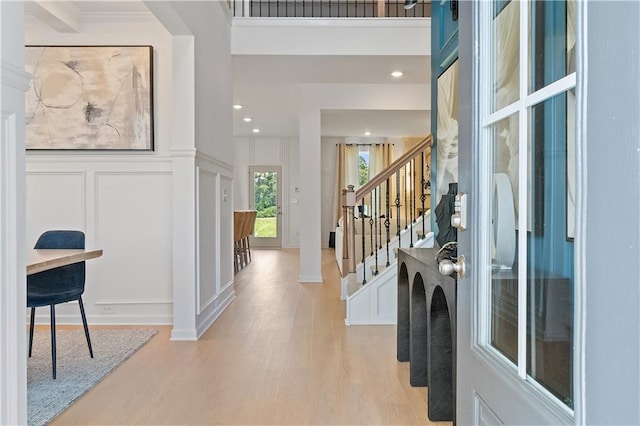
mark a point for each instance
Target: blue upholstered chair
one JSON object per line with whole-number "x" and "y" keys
{"x": 58, "y": 285}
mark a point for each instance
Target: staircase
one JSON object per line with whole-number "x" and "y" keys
{"x": 397, "y": 195}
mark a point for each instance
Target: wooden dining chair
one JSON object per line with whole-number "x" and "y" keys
{"x": 58, "y": 285}
{"x": 249, "y": 230}
{"x": 238, "y": 229}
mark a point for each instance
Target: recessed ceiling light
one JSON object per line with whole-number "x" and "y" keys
{"x": 237, "y": 106}
{"x": 256, "y": 130}
{"x": 367, "y": 133}
{"x": 247, "y": 119}
{"x": 397, "y": 74}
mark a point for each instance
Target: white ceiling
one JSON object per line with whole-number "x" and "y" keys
{"x": 267, "y": 86}
{"x": 110, "y": 6}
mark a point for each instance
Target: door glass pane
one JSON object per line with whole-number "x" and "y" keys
{"x": 504, "y": 217}
{"x": 265, "y": 185}
{"x": 550, "y": 262}
{"x": 552, "y": 42}
{"x": 505, "y": 53}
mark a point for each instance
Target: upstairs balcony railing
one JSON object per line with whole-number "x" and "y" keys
{"x": 328, "y": 9}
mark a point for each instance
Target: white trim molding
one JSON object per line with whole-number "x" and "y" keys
{"x": 17, "y": 78}
{"x": 310, "y": 279}
{"x": 183, "y": 152}
{"x": 208, "y": 158}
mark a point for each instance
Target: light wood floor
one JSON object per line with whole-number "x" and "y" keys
{"x": 280, "y": 354}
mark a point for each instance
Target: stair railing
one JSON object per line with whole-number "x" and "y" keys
{"x": 375, "y": 203}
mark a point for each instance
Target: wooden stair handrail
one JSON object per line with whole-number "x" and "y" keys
{"x": 394, "y": 167}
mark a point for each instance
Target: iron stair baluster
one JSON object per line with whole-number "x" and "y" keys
{"x": 423, "y": 196}
{"x": 379, "y": 198}
{"x": 387, "y": 222}
{"x": 412, "y": 200}
{"x": 371, "y": 222}
{"x": 364, "y": 256}
{"x": 414, "y": 215}
{"x": 404, "y": 174}
{"x": 377, "y": 219}
{"x": 398, "y": 208}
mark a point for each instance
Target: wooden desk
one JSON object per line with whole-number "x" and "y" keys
{"x": 45, "y": 259}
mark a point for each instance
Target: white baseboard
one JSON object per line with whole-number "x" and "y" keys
{"x": 303, "y": 279}
{"x": 213, "y": 316}
{"x": 106, "y": 319}
{"x": 183, "y": 335}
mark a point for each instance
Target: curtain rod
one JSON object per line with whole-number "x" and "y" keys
{"x": 365, "y": 144}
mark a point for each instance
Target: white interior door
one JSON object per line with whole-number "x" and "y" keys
{"x": 516, "y": 352}
{"x": 265, "y": 196}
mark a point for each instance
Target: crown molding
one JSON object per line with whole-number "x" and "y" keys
{"x": 117, "y": 17}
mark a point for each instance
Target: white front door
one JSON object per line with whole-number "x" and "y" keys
{"x": 516, "y": 353}
{"x": 265, "y": 195}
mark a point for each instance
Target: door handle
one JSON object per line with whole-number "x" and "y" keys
{"x": 447, "y": 267}
{"x": 459, "y": 217}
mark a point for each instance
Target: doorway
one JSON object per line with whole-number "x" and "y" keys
{"x": 265, "y": 196}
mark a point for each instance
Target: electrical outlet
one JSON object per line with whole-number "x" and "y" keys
{"x": 107, "y": 310}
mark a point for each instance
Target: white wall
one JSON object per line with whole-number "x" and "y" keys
{"x": 270, "y": 152}
{"x": 202, "y": 163}
{"x": 328, "y": 180}
{"x": 313, "y": 99}
{"x": 13, "y": 85}
{"x": 284, "y": 152}
{"x": 335, "y": 36}
{"x": 122, "y": 201}
{"x": 210, "y": 24}
{"x": 328, "y": 185}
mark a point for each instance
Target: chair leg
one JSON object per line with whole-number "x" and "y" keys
{"x": 53, "y": 339}
{"x": 245, "y": 257}
{"x": 32, "y": 324}
{"x": 236, "y": 264}
{"x": 86, "y": 328}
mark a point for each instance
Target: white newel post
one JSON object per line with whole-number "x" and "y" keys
{"x": 14, "y": 82}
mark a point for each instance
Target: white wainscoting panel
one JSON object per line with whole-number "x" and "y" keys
{"x": 484, "y": 415}
{"x": 328, "y": 189}
{"x": 292, "y": 209}
{"x": 215, "y": 289}
{"x": 226, "y": 232}
{"x": 133, "y": 225}
{"x": 55, "y": 200}
{"x": 206, "y": 235}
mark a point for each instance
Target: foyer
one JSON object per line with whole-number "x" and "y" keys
{"x": 280, "y": 354}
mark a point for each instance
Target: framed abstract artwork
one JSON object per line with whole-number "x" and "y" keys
{"x": 89, "y": 98}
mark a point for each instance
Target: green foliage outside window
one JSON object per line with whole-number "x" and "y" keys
{"x": 363, "y": 170}
{"x": 265, "y": 193}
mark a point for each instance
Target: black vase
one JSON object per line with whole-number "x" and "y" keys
{"x": 444, "y": 210}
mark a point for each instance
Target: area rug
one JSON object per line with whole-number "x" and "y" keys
{"x": 76, "y": 371}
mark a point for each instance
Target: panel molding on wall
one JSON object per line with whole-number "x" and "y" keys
{"x": 132, "y": 223}
{"x": 52, "y": 202}
{"x": 225, "y": 231}
{"x": 213, "y": 179}
{"x": 218, "y": 164}
{"x": 206, "y": 180}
